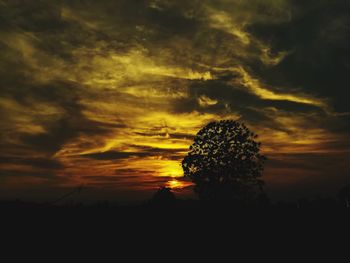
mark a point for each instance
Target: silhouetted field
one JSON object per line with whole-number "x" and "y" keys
{"x": 176, "y": 205}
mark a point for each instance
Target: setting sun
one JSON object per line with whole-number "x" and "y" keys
{"x": 176, "y": 184}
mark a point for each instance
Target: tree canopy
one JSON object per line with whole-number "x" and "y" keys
{"x": 224, "y": 161}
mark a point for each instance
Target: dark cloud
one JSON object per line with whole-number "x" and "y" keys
{"x": 68, "y": 123}
{"x": 135, "y": 172}
{"x": 62, "y": 131}
{"x": 309, "y": 161}
{"x": 114, "y": 155}
{"x": 31, "y": 16}
{"x": 233, "y": 98}
{"x": 43, "y": 163}
{"x": 179, "y": 135}
{"x": 111, "y": 178}
{"x": 318, "y": 41}
{"x": 17, "y": 173}
{"x": 141, "y": 151}
{"x": 157, "y": 150}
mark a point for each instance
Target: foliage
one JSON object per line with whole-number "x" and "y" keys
{"x": 163, "y": 195}
{"x": 224, "y": 161}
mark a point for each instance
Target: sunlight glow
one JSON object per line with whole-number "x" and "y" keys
{"x": 176, "y": 184}
{"x": 171, "y": 168}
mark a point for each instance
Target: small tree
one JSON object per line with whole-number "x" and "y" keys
{"x": 164, "y": 195}
{"x": 224, "y": 162}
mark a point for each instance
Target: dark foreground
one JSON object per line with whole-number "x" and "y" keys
{"x": 176, "y": 205}
{"x": 171, "y": 221}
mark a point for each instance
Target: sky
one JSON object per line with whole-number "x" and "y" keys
{"x": 109, "y": 94}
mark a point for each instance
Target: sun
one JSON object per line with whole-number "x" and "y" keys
{"x": 174, "y": 184}
{"x": 177, "y": 184}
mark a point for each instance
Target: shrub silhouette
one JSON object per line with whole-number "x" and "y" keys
{"x": 224, "y": 162}
{"x": 164, "y": 195}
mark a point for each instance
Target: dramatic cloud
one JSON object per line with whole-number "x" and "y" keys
{"x": 111, "y": 92}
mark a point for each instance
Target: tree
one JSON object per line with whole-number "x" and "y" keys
{"x": 164, "y": 195}
{"x": 224, "y": 162}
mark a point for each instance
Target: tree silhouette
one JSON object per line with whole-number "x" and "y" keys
{"x": 224, "y": 162}
{"x": 164, "y": 195}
